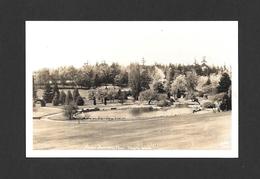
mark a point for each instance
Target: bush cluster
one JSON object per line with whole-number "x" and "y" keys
{"x": 208, "y": 104}
{"x": 164, "y": 103}
{"x": 80, "y": 101}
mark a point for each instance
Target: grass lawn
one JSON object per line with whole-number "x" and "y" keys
{"x": 188, "y": 131}
{"x": 39, "y": 112}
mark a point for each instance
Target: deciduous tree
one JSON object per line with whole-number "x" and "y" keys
{"x": 135, "y": 80}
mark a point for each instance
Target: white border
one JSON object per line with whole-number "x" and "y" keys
{"x": 233, "y": 153}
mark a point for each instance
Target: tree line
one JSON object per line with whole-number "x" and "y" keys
{"x": 86, "y": 76}
{"x": 101, "y": 74}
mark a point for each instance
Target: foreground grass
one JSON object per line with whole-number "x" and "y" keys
{"x": 196, "y": 131}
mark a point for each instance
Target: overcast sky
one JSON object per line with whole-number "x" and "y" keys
{"x": 57, "y": 43}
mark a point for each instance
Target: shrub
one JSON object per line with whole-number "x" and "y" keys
{"x": 208, "y": 104}
{"x": 43, "y": 103}
{"x": 62, "y": 98}
{"x": 218, "y": 97}
{"x": 97, "y": 109}
{"x": 147, "y": 95}
{"x": 164, "y": 103}
{"x": 69, "y": 110}
{"x": 162, "y": 97}
{"x": 80, "y": 101}
{"x": 81, "y": 116}
{"x": 55, "y": 101}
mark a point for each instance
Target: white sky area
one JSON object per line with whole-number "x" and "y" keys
{"x": 57, "y": 43}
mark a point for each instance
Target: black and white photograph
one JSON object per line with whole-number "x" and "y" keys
{"x": 132, "y": 89}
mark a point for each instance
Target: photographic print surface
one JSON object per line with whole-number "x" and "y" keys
{"x": 132, "y": 89}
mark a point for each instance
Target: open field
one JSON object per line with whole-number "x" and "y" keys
{"x": 190, "y": 131}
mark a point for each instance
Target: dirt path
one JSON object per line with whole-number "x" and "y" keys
{"x": 200, "y": 131}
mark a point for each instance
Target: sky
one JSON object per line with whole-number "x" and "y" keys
{"x": 57, "y": 43}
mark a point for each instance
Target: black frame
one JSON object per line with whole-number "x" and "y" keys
{"x": 12, "y": 50}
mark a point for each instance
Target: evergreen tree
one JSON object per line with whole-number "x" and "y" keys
{"x": 224, "y": 83}
{"x": 75, "y": 94}
{"x": 69, "y": 98}
{"x": 62, "y": 97}
{"x": 56, "y": 90}
{"x": 55, "y": 101}
{"x": 48, "y": 93}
